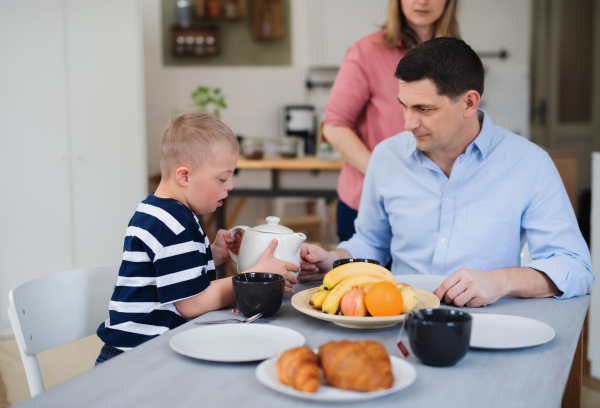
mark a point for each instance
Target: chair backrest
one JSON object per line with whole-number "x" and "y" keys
{"x": 56, "y": 309}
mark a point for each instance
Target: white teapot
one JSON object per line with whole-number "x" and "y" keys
{"x": 257, "y": 239}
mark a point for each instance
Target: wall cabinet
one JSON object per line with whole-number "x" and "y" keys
{"x": 73, "y": 135}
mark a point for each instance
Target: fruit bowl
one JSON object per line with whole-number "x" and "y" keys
{"x": 300, "y": 302}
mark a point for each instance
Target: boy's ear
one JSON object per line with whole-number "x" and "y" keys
{"x": 182, "y": 176}
{"x": 472, "y": 99}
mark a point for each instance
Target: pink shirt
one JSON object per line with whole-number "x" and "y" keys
{"x": 364, "y": 98}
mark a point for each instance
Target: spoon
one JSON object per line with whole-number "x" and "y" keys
{"x": 246, "y": 320}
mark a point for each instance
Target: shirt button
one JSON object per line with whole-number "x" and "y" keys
{"x": 443, "y": 240}
{"x": 447, "y": 200}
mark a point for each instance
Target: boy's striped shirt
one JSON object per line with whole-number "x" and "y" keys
{"x": 166, "y": 258}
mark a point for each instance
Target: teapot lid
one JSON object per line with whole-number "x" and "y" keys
{"x": 272, "y": 226}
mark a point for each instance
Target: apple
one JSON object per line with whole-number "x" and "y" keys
{"x": 408, "y": 296}
{"x": 353, "y": 303}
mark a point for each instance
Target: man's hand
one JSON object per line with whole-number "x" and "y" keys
{"x": 224, "y": 241}
{"x": 472, "y": 288}
{"x": 316, "y": 262}
{"x": 268, "y": 263}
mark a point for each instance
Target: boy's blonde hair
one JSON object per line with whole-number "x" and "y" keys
{"x": 192, "y": 139}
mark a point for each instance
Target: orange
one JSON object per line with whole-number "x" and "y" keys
{"x": 384, "y": 299}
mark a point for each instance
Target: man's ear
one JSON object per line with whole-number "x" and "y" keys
{"x": 182, "y": 176}
{"x": 472, "y": 99}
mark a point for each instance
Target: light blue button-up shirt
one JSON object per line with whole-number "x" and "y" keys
{"x": 502, "y": 188}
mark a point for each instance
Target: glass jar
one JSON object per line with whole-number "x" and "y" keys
{"x": 288, "y": 147}
{"x": 252, "y": 148}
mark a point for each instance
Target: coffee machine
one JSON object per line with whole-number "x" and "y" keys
{"x": 300, "y": 121}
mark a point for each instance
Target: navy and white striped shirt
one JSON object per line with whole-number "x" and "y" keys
{"x": 166, "y": 258}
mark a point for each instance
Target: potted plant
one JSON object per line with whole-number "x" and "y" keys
{"x": 207, "y": 99}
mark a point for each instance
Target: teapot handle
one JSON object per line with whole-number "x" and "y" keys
{"x": 233, "y": 256}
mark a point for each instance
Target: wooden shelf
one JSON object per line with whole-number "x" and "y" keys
{"x": 221, "y": 9}
{"x": 267, "y": 19}
{"x": 197, "y": 41}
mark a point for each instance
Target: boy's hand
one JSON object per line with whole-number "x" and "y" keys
{"x": 269, "y": 264}
{"x": 223, "y": 242}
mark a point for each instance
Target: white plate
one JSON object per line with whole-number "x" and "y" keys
{"x": 492, "y": 331}
{"x": 425, "y": 282}
{"x": 404, "y": 375}
{"x": 235, "y": 342}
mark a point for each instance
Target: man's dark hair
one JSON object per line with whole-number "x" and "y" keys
{"x": 448, "y": 62}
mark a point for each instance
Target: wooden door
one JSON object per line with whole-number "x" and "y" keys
{"x": 566, "y": 105}
{"x": 566, "y": 79}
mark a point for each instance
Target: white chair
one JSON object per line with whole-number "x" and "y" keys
{"x": 56, "y": 309}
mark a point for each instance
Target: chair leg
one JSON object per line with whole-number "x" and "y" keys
{"x": 30, "y": 363}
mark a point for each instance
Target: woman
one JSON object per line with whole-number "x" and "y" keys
{"x": 363, "y": 107}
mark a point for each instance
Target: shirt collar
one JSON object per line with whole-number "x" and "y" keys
{"x": 483, "y": 141}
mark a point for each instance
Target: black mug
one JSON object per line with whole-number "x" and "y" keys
{"x": 439, "y": 337}
{"x": 257, "y": 292}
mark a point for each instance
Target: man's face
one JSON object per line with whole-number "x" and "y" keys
{"x": 210, "y": 184}
{"x": 433, "y": 119}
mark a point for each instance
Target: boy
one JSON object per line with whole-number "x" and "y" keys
{"x": 167, "y": 275}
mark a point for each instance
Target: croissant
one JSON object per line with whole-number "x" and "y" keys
{"x": 299, "y": 368}
{"x": 359, "y": 366}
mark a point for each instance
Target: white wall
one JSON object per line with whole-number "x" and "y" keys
{"x": 321, "y": 32}
{"x": 489, "y": 25}
{"x": 254, "y": 94}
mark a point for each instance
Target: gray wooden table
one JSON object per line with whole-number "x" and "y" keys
{"x": 153, "y": 375}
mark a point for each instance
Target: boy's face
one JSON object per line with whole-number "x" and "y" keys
{"x": 208, "y": 185}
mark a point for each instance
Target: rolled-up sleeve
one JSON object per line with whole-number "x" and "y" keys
{"x": 555, "y": 241}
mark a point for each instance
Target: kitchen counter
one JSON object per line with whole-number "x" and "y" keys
{"x": 281, "y": 163}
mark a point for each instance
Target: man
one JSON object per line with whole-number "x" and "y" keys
{"x": 454, "y": 194}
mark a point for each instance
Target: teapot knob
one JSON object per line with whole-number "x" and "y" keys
{"x": 272, "y": 220}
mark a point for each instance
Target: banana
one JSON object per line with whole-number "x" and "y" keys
{"x": 316, "y": 300}
{"x": 321, "y": 288}
{"x": 336, "y": 275}
{"x": 331, "y": 304}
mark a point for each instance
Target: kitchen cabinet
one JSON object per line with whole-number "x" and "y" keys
{"x": 73, "y": 137}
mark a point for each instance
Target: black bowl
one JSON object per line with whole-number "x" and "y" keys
{"x": 257, "y": 292}
{"x": 439, "y": 337}
{"x": 343, "y": 261}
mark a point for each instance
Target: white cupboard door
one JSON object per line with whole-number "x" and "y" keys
{"x": 106, "y": 77}
{"x": 35, "y": 203}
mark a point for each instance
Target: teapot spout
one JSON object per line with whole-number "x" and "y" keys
{"x": 296, "y": 239}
